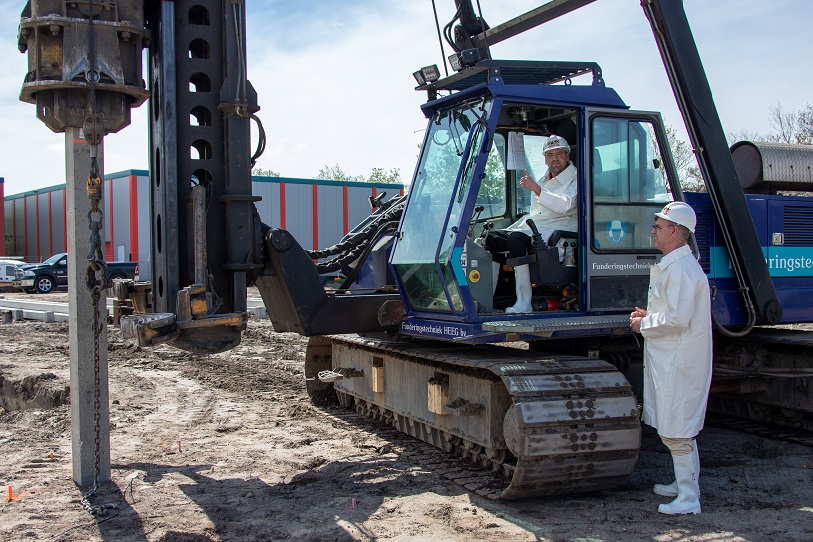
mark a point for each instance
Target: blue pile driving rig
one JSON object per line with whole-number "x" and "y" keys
{"x": 416, "y": 335}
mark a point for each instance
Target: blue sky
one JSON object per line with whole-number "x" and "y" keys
{"x": 335, "y": 85}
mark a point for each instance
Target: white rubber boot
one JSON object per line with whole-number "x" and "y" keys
{"x": 671, "y": 490}
{"x": 495, "y": 276}
{"x": 522, "y": 276}
{"x": 687, "y": 470}
{"x": 666, "y": 490}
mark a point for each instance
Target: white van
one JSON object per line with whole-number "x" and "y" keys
{"x": 7, "y": 269}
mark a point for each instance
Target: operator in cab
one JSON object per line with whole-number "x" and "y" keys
{"x": 676, "y": 326}
{"x": 553, "y": 208}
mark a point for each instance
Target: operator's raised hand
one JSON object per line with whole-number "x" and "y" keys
{"x": 529, "y": 184}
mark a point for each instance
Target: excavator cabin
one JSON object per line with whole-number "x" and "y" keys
{"x": 478, "y": 143}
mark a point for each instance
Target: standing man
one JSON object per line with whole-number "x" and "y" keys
{"x": 553, "y": 208}
{"x": 676, "y": 326}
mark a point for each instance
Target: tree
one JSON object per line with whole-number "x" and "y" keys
{"x": 794, "y": 127}
{"x": 379, "y": 175}
{"x": 685, "y": 163}
{"x": 784, "y": 122}
{"x": 804, "y": 134}
{"x": 259, "y": 172}
{"x": 745, "y": 135}
{"x": 336, "y": 173}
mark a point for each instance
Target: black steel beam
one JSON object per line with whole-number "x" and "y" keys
{"x": 691, "y": 87}
{"x": 527, "y": 21}
{"x": 200, "y": 135}
{"x": 163, "y": 136}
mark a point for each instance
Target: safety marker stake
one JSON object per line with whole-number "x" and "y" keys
{"x": 352, "y": 501}
{"x": 179, "y": 446}
{"x": 10, "y": 494}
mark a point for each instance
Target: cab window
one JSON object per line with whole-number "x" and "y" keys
{"x": 628, "y": 183}
{"x": 491, "y": 196}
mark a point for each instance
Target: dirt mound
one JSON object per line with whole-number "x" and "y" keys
{"x": 41, "y": 391}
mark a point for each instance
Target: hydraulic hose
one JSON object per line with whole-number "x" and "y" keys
{"x": 752, "y": 316}
{"x": 354, "y": 246}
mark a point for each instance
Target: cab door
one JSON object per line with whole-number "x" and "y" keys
{"x": 631, "y": 176}
{"x": 61, "y": 271}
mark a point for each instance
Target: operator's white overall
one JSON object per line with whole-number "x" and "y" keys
{"x": 678, "y": 347}
{"x": 555, "y": 206}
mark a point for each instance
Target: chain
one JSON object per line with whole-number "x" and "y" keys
{"x": 96, "y": 281}
{"x": 96, "y": 277}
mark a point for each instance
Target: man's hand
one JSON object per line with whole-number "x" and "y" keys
{"x": 529, "y": 184}
{"x": 635, "y": 319}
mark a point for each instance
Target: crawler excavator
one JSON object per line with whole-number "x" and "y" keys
{"x": 416, "y": 335}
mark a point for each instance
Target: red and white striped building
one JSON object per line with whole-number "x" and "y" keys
{"x": 318, "y": 213}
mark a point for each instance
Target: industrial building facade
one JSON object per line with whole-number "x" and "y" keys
{"x": 317, "y": 212}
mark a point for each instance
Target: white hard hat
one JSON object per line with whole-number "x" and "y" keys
{"x": 555, "y": 142}
{"x": 680, "y": 213}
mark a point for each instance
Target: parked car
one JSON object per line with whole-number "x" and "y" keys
{"x": 53, "y": 272}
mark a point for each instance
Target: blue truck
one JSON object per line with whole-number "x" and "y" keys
{"x": 43, "y": 277}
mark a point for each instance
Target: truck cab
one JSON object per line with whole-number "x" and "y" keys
{"x": 478, "y": 143}
{"x": 44, "y": 277}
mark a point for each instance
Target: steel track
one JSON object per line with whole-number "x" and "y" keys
{"x": 569, "y": 424}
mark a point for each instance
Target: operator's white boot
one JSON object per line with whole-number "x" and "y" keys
{"x": 495, "y": 276}
{"x": 666, "y": 490}
{"x": 687, "y": 477}
{"x": 522, "y": 276}
{"x": 671, "y": 490}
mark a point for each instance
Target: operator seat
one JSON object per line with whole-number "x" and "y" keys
{"x": 544, "y": 264}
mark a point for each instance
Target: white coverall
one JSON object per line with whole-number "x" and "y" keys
{"x": 678, "y": 347}
{"x": 554, "y": 208}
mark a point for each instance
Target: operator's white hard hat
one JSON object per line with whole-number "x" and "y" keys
{"x": 555, "y": 142}
{"x": 680, "y": 213}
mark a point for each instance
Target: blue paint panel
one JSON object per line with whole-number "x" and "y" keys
{"x": 758, "y": 206}
{"x": 571, "y": 96}
{"x": 790, "y": 264}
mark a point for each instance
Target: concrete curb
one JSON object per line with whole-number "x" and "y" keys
{"x": 48, "y": 311}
